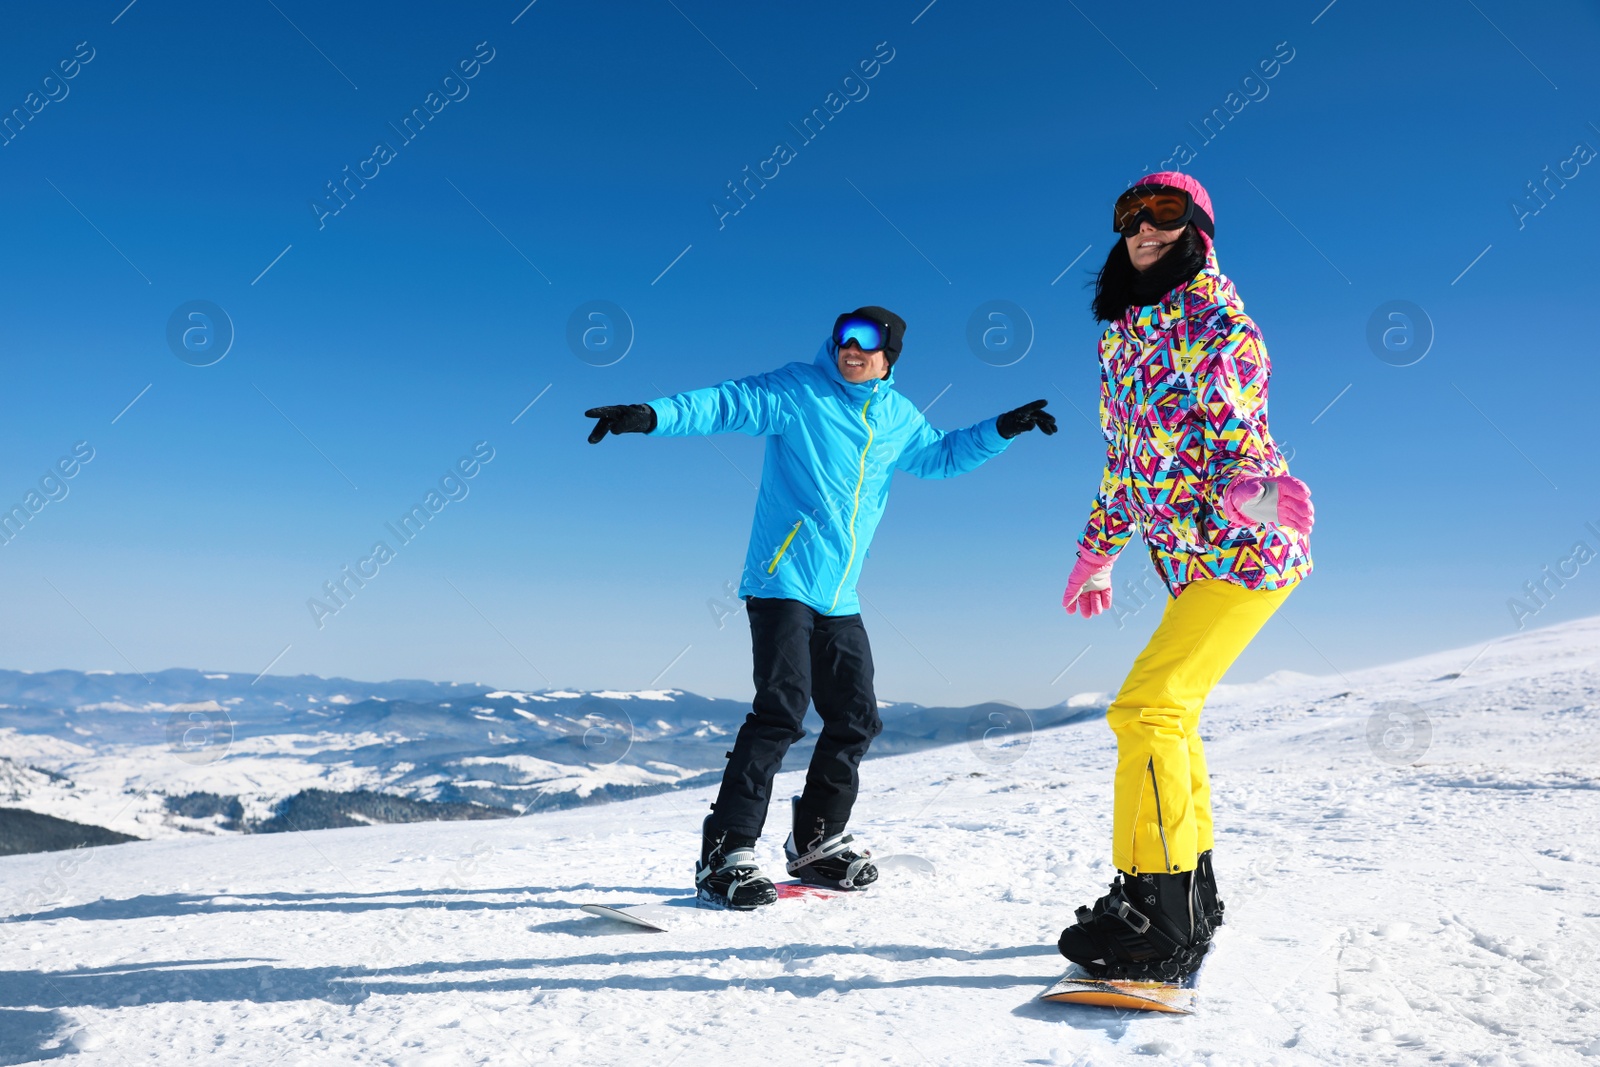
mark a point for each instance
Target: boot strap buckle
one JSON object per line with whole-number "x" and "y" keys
{"x": 1122, "y": 910}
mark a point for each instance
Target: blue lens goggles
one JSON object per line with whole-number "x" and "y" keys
{"x": 868, "y": 335}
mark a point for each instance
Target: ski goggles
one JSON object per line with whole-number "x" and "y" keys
{"x": 1162, "y": 206}
{"x": 869, "y": 335}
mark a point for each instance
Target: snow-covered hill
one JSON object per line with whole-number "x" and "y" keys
{"x": 1409, "y": 855}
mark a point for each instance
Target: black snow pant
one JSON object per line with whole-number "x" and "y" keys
{"x": 800, "y": 655}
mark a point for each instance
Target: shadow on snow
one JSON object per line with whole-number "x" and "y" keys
{"x": 171, "y": 905}
{"x": 23, "y": 1035}
{"x": 205, "y": 981}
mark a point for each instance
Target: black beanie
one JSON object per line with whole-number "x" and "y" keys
{"x": 897, "y": 328}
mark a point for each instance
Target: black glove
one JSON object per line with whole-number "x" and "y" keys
{"x": 622, "y": 418}
{"x": 1026, "y": 418}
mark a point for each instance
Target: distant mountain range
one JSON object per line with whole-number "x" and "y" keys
{"x": 183, "y": 751}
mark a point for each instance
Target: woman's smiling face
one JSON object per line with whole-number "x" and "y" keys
{"x": 1150, "y": 244}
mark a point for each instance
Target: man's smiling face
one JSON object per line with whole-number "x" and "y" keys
{"x": 857, "y": 366}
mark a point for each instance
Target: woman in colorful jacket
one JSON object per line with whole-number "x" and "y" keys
{"x": 1191, "y": 465}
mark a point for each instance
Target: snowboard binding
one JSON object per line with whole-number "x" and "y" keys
{"x": 1146, "y": 929}
{"x": 828, "y": 860}
{"x": 727, "y": 875}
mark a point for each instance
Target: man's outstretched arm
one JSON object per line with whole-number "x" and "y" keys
{"x": 751, "y": 405}
{"x": 940, "y": 454}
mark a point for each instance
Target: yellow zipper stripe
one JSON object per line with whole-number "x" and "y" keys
{"x": 784, "y": 547}
{"x": 856, "y": 510}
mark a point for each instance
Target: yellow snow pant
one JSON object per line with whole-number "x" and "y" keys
{"x": 1163, "y": 793}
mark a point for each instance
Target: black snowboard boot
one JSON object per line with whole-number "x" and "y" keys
{"x": 819, "y": 853}
{"x": 1207, "y": 903}
{"x": 726, "y": 874}
{"x": 1147, "y": 928}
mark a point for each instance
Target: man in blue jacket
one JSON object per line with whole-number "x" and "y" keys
{"x": 836, "y": 432}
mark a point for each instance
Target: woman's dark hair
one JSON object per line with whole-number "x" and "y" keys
{"x": 1120, "y": 286}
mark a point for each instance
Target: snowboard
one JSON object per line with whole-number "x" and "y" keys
{"x": 645, "y": 915}
{"x": 793, "y": 889}
{"x": 790, "y": 890}
{"x": 656, "y": 917}
{"x": 1077, "y": 987}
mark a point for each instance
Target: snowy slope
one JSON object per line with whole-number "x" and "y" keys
{"x": 1409, "y": 856}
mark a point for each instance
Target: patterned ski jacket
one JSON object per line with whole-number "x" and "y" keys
{"x": 1183, "y": 408}
{"x": 832, "y": 449}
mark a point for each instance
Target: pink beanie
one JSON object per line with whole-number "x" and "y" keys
{"x": 1202, "y": 199}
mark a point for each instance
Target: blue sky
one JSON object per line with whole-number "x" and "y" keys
{"x": 375, "y": 347}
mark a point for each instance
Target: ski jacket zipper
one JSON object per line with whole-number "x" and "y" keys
{"x": 856, "y": 508}
{"x": 772, "y": 568}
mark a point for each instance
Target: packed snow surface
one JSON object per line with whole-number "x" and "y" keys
{"x": 1409, "y": 857}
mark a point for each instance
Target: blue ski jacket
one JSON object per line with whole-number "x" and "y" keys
{"x": 832, "y": 448}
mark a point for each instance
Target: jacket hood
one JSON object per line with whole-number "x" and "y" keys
{"x": 1203, "y": 295}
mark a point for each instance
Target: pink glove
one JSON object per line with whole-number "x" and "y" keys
{"x": 1089, "y": 586}
{"x": 1282, "y": 500}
